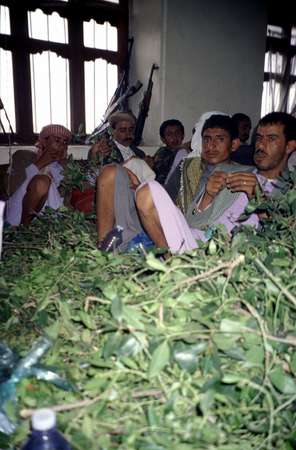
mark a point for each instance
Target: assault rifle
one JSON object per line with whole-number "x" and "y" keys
{"x": 123, "y": 83}
{"x": 132, "y": 90}
{"x": 144, "y": 107}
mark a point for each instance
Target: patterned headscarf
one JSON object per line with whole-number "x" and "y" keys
{"x": 54, "y": 130}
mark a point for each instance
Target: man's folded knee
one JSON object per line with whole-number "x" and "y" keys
{"x": 108, "y": 174}
{"x": 144, "y": 199}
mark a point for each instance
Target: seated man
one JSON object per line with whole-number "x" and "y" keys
{"x": 245, "y": 152}
{"x": 223, "y": 196}
{"x": 275, "y": 143}
{"x": 119, "y": 147}
{"x": 115, "y": 149}
{"x": 43, "y": 175}
{"x": 182, "y": 183}
{"x": 167, "y": 158}
{"x": 111, "y": 213}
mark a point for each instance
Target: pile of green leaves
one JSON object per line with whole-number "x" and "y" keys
{"x": 77, "y": 174}
{"x": 197, "y": 352}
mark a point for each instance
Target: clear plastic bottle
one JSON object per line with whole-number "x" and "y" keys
{"x": 44, "y": 435}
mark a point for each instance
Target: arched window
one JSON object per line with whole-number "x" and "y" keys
{"x": 59, "y": 62}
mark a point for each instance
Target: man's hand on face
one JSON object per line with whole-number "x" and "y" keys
{"x": 100, "y": 148}
{"x": 53, "y": 148}
{"x": 47, "y": 156}
{"x": 242, "y": 182}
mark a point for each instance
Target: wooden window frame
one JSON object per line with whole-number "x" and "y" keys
{"x": 21, "y": 46}
{"x": 283, "y": 18}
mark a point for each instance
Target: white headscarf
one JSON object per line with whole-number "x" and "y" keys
{"x": 196, "y": 142}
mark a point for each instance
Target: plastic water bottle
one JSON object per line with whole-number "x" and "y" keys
{"x": 44, "y": 435}
{"x": 112, "y": 240}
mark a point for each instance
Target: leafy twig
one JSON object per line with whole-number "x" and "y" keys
{"x": 227, "y": 266}
{"x": 276, "y": 282}
{"x": 26, "y": 413}
{"x": 263, "y": 334}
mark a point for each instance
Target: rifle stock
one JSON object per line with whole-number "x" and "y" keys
{"x": 144, "y": 107}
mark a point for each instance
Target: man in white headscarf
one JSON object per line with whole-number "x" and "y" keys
{"x": 181, "y": 185}
{"x": 196, "y": 143}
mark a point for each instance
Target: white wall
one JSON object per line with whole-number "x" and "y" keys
{"x": 210, "y": 53}
{"x": 146, "y": 25}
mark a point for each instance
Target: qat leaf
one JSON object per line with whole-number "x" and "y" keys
{"x": 283, "y": 382}
{"x": 87, "y": 320}
{"x": 293, "y": 363}
{"x": 112, "y": 345}
{"x": 231, "y": 326}
{"x": 186, "y": 356}
{"x": 129, "y": 346}
{"x": 160, "y": 358}
{"x": 133, "y": 318}
{"x": 207, "y": 400}
{"x": 155, "y": 264}
{"x": 225, "y": 341}
{"x": 152, "y": 417}
{"x": 255, "y": 355}
{"x": 116, "y": 309}
{"x": 53, "y": 330}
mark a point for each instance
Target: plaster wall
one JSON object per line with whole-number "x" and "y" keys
{"x": 210, "y": 54}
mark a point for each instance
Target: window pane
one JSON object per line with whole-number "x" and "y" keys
{"x": 293, "y": 66}
{"x": 101, "y": 80}
{"x": 275, "y": 31}
{"x": 50, "y": 90}
{"x": 293, "y": 36}
{"x": 46, "y": 27}
{"x": 274, "y": 63}
{"x": 270, "y": 97}
{"x": 6, "y": 90}
{"x": 4, "y": 20}
{"x": 292, "y": 99}
{"x": 100, "y": 36}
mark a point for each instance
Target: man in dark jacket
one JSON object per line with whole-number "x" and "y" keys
{"x": 119, "y": 147}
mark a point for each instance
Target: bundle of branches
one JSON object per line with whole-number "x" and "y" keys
{"x": 198, "y": 352}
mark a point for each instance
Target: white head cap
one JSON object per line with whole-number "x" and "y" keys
{"x": 43, "y": 419}
{"x": 196, "y": 141}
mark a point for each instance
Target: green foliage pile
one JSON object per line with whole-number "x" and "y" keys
{"x": 197, "y": 352}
